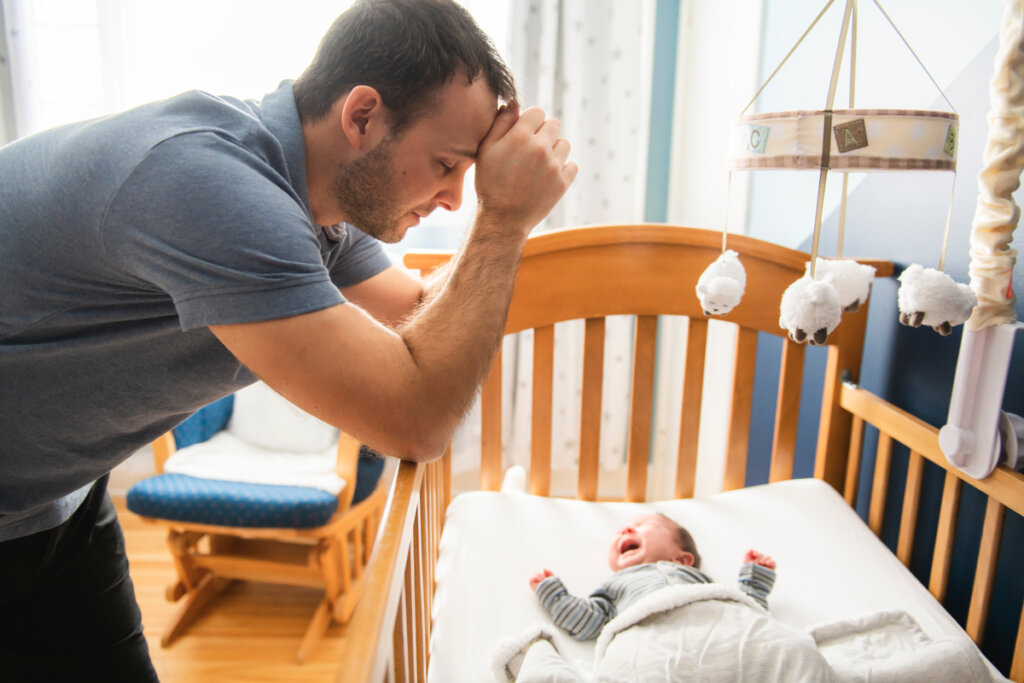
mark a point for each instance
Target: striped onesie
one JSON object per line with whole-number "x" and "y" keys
{"x": 584, "y": 618}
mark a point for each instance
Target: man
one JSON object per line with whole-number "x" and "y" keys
{"x": 157, "y": 260}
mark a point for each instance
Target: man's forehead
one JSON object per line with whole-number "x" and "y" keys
{"x": 462, "y": 151}
{"x": 463, "y": 113}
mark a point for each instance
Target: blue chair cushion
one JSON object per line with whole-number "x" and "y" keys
{"x": 183, "y": 498}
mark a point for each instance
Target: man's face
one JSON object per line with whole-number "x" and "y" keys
{"x": 401, "y": 180}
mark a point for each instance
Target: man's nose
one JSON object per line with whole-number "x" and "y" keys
{"x": 449, "y": 196}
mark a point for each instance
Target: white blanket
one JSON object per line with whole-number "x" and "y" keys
{"x": 714, "y": 632}
{"x": 890, "y": 646}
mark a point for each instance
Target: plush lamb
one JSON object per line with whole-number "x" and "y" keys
{"x": 930, "y": 297}
{"x": 720, "y": 287}
{"x": 852, "y": 280}
{"x": 810, "y": 310}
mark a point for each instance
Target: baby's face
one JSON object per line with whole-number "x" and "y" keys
{"x": 648, "y": 538}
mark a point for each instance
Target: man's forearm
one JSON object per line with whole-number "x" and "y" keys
{"x": 455, "y": 332}
{"x": 521, "y": 173}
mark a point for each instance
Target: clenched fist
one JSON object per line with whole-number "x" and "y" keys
{"x": 522, "y": 169}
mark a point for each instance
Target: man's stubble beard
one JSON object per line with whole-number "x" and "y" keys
{"x": 365, "y": 194}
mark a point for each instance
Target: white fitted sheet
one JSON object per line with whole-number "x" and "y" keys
{"x": 830, "y": 565}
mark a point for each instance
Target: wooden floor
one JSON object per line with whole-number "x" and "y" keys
{"x": 250, "y": 633}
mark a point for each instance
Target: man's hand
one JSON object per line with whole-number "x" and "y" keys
{"x": 522, "y": 169}
{"x": 536, "y": 579}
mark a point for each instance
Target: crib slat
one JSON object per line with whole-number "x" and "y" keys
{"x": 880, "y": 487}
{"x": 739, "y": 415}
{"x": 985, "y": 573}
{"x": 590, "y": 408}
{"x": 834, "y": 425}
{"x": 396, "y": 663}
{"x": 490, "y": 428}
{"x": 447, "y": 476}
{"x": 787, "y": 411}
{"x": 942, "y": 556}
{"x": 1017, "y": 667}
{"x": 423, "y": 602}
{"x": 911, "y": 502}
{"x": 431, "y": 490}
{"x": 416, "y": 597}
{"x": 540, "y": 442}
{"x": 693, "y": 393}
{"x": 404, "y": 653}
{"x": 641, "y": 400}
{"x": 853, "y": 461}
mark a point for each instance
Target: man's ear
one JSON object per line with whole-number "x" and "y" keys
{"x": 684, "y": 558}
{"x": 363, "y": 117}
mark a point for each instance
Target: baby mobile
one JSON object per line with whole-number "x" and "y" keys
{"x": 844, "y": 140}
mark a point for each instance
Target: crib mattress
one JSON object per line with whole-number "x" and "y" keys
{"x": 830, "y": 565}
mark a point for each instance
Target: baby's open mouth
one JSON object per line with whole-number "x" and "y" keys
{"x": 628, "y": 545}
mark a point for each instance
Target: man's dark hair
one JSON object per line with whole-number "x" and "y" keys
{"x": 685, "y": 539}
{"x": 404, "y": 49}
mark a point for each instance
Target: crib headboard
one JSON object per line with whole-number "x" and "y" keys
{"x": 648, "y": 271}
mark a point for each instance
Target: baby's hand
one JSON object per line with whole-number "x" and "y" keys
{"x": 538, "y": 577}
{"x": 759, "y": 558}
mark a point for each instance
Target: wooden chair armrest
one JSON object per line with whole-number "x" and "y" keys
{"x": 347, "y": 468}
{"x": 163, "y": 448}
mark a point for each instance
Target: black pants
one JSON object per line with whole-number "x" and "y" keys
{"x": 67, "y": 605}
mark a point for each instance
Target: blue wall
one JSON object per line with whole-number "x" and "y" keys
{"x": 663, "y": 76}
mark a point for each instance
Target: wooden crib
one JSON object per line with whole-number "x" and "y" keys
{"x": 649, "y": 271}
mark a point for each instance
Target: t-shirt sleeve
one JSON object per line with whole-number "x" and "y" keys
{"x": 357, "y": 257}
{"x": 208, "y": 222}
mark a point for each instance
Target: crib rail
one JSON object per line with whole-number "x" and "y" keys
{"x": 1004, "y": 489}
{"x": 399, "y": 589}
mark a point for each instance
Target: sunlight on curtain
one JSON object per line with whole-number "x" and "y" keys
{"x": 74, "y": 60}
{"x": 78, "y": 59}
{"x": 587, "y": 63}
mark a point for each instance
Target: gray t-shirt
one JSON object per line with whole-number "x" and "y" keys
{"x": 121, "y": 240}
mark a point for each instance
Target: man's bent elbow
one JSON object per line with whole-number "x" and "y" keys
{"x": 419, "y": 453}
{"x": 423, "y": 448}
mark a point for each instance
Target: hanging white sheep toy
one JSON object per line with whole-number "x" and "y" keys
{"x": 852, "y": 280}
{"x": 930, "y": 297}
{"x": 810, "y": 310}
{"x": 721, "y": 285}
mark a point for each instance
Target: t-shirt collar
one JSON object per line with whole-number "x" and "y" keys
{"x": 281, "y": 117}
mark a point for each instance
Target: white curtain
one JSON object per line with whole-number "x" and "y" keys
{"x": 588, "y": 64}
{"x": 77, "y": 59}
